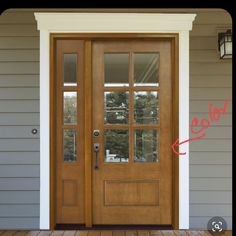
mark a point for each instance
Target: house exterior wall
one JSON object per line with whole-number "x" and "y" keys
{"x": 19, "y": 114}
{"x": 210, "y": 159}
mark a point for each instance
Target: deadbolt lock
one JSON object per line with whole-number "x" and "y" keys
{"x": 96, "y": 133}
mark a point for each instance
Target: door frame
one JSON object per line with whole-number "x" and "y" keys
{"x": 101, "y": 25}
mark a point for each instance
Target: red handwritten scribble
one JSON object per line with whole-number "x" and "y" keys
{"x": 214, "y": 115}
{"x": 177, "y": 143}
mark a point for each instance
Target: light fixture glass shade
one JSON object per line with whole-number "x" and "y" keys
{"x": 225, "y": 44}
{"x": 228, "y": 50}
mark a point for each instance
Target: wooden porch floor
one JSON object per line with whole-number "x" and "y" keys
{"x": 111, "y": 233}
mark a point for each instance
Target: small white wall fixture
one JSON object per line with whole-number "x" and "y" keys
{"x": 114, "y": 23}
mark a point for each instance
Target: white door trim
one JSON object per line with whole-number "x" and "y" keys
{"x": 114, "y": 23}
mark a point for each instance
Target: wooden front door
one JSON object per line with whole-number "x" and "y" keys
{"x": 131, "y": 120}
{"x": 132, "y": 179}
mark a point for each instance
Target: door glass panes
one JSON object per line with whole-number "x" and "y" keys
{"x": 146, "y": 145}
{"x": 146, "y": 69}
{"x": 146, "y": 109}
{"x": 116, "y": 69}
{"x": 70, "y": 107}
{"x": 116, "y": 146}
{"x": 116, "y": 107}
{"x": 69, "y": 145}
{"x": 70, "y": 69}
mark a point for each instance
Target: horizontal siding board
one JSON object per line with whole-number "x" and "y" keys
{"x": 210, "y": 93}
{"x": 19, "y": 171}
{"x": 19, "y": 93}
{"x": 200, "y": 222}
{"x": 19, "y": 105}
{"x": 197, "y": 43}
{"x": 210, "y": 171}
{"x": 19, "y": 210}
{"x": 221, "y": 184}
{"x": 207, "y": 158}
{"x": 203, "y": 106}
{"x": 19, "y": 42}
{"x": 17, "y": 18}
{"x": 210, "y": 68}
{"x": 19, "y": 223}
{"x": 214, "y": 18}
{"x": 19, "y": 55}
{"x": 18, "y": 132}
{"x": 207, "y": 29}
{"x": 224, "y": 121}
{"x": 221, "y": 145}
{"x": 218, "y": 132}
{"x": 19, "y": 119}
{"x": 209, "y": 55}
{"x": 19, "y": 68}
{"x": 19, "y": 144}
{"x": 19, "y": 197}
{"x": 19, "y": 158}
{"x": 21, "y": 184}
{"x": 18, "y": 30}
{"x": 19, "y": 81}
{"x": 210, "y": 197}
{"x": 211, "y": 81}
{"x": 210, "y": 210}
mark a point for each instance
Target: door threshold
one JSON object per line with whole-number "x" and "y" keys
{"x": 112, "y": 227}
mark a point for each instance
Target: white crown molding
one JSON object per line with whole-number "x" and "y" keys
{"x": 112, "y": 23}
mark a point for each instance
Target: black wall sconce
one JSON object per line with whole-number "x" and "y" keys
{"x": 225, "y": 44}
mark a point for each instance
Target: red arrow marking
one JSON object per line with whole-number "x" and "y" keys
{"x": 176, "y": 143}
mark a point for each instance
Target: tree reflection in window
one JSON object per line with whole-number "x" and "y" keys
{"x": 70, "y": 144}
{"x": 70, "y": 107}
{"x": 116, "y": 107}
{"x": 116, "y": 146}
{"x": 146, "y": 107}
{"x": 146, "y": 144}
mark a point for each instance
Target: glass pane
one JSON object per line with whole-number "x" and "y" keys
{"x": 146, "y": 69}
{"x": 70, "y": 71}
{"x": 69, "y": 144}
{"x": 116, "y": 146}
{"x": 116, "y": 105}
{"x": 146, "y": 107}
{"x": 70, "y": 107}
{"x": 116, "y": 69}
{"x": 146, "y": 146}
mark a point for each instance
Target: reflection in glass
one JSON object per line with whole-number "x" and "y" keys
{"x": 116, "y": 146}
{"x": 116, "y": 69}
{"x": 146, "y": 107}
{"x": 146, "y": 67}
{"x": 146, "y": 143}
{"x": 69, "y": 144}
{"x": 70, "y": 61}
{"x": 70, "y": 107}
{"x": 116, "y": 106}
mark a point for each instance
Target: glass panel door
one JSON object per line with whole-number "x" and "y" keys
{"x": 132, "y": 151}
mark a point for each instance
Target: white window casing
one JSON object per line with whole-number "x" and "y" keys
{"x": 114, "y": 23}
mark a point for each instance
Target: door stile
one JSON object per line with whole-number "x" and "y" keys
{"x": 88, "y": 131}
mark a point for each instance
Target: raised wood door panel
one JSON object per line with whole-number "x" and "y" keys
{"x": 69, "y": 119}
{"x": 132, "y": 104}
